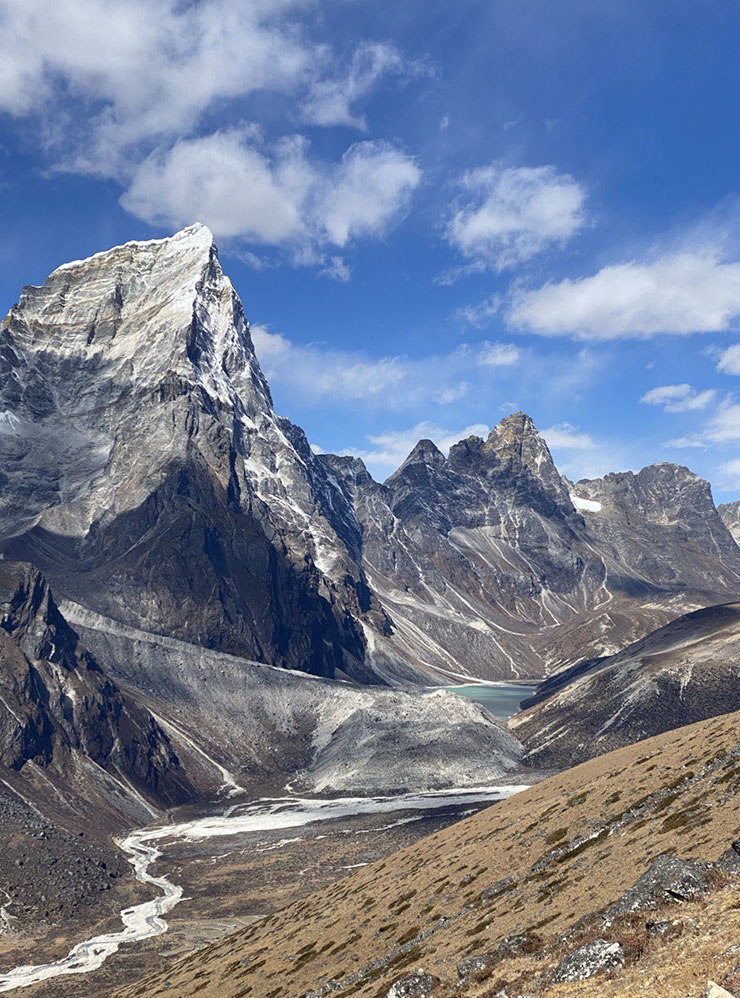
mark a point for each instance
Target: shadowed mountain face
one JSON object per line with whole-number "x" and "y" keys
{"x": 145, "y": 472}
{"x": 60, "y": 712}
{"x": 730, "y": 515}
{"x": 681, "y": 673}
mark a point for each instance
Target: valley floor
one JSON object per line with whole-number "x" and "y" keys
{"x": 548, "y": 862}
{"x": 230, "y": 882}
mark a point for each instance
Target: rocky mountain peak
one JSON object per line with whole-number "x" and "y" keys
{"x": 663, "y": 491}
{"x": 158, "y": 314}
{"x": 425, "y": 452}
{"x": 516, "y": 441}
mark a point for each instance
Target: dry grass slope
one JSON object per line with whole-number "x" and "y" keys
{"x": 539, "y": 863}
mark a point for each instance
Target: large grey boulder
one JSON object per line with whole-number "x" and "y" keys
{"x": 596, "y": 957}
{"x": 669, "y": 878}
{"x": 713, "y": 990}
{"x": 415, "y": 985}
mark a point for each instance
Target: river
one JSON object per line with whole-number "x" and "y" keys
{"x": 145, "y": 845}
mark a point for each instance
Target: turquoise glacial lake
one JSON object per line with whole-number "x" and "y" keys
{"x": 501, "y": 700}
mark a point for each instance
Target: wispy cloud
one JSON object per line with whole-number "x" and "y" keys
{"x": 678, "y": 398}
{"x": 729, "y": 474}
{"x": 568, "y": 437}
{"x": 318, "y": 372}
{"x": 683, "y": 293}
{"x": 337, "y": 269}
{"x": 691, "y": 441}
{"x": 330, "y": 101}
{"x": 482, "y": 313}
{"x": 498, "y": 355}
{"x": 506, "y": 215}
{"x": 724, "y": 426}
{"x": 729, "y": 360}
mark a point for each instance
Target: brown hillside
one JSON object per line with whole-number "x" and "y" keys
{"x": 539, "y": 862}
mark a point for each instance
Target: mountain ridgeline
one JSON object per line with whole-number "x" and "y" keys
{"x": 146, "y": 474}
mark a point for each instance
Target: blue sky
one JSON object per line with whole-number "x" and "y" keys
{"x": 434, "y": 213}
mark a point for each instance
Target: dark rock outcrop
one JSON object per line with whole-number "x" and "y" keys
{"x": 58, "y": 707}
{"x": 668, "y": 879}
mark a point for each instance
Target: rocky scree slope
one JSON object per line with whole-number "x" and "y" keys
{"x": 637, "y": 837}
{"x": 684, "y": 672}
{"x": 269, "y": 725}
{"x": 144, "y": 471}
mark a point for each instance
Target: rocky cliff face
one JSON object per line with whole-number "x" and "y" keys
{"x": 60, "y": 712}
{"x": 687, "y": 671}
{"x": 145, "y": 472}
{"x": 730, "y": 514}
{"x": 489, "y": 563}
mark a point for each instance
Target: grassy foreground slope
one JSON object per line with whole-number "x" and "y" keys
{"x": 541, "y": 862}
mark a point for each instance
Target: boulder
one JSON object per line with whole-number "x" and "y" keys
{"x": 596, "y": 957}
{"x": 713, "y": 990}
{"x": 473, "y": 966}
{"x": 416, "y": 985}
{"x": 669, "y": 878}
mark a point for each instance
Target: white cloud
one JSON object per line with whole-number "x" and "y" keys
{"x": 146, "y": 68}
{"x": 567, "y": 436}
{"x": 367, "y": 191}
{"x": 681, "y": 293}
{"x": 729, "y": 360}
{"x": 498, "y": 355}
{"x": 678, "y": 398}
{"x": 482, "y": 314}
{"x": 730, "y": 474}
{"x": 684, "y": 442}
{"x": 126, "y": 91}
{"x": 316, "y": 372}
{"x": 330, "y": 101}
{"x": 724, "y": 425}
{"x": 228, "y": 182}
{"x": 391, "y": 449}
{"x": 507, "y": 215}
{"x": 337, "y": 269}
{"x": 452, "y": 394}
{"x": 276, "y": 196}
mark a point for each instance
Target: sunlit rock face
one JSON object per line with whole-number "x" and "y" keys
{"x": 490, "y": 563}
{"x": 144, "y": 471}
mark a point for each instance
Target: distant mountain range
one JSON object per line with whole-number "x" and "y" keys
{"x": 193, "y": 604}
{"x": 182, "y": 532}
{"x": 146, "y": 474}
